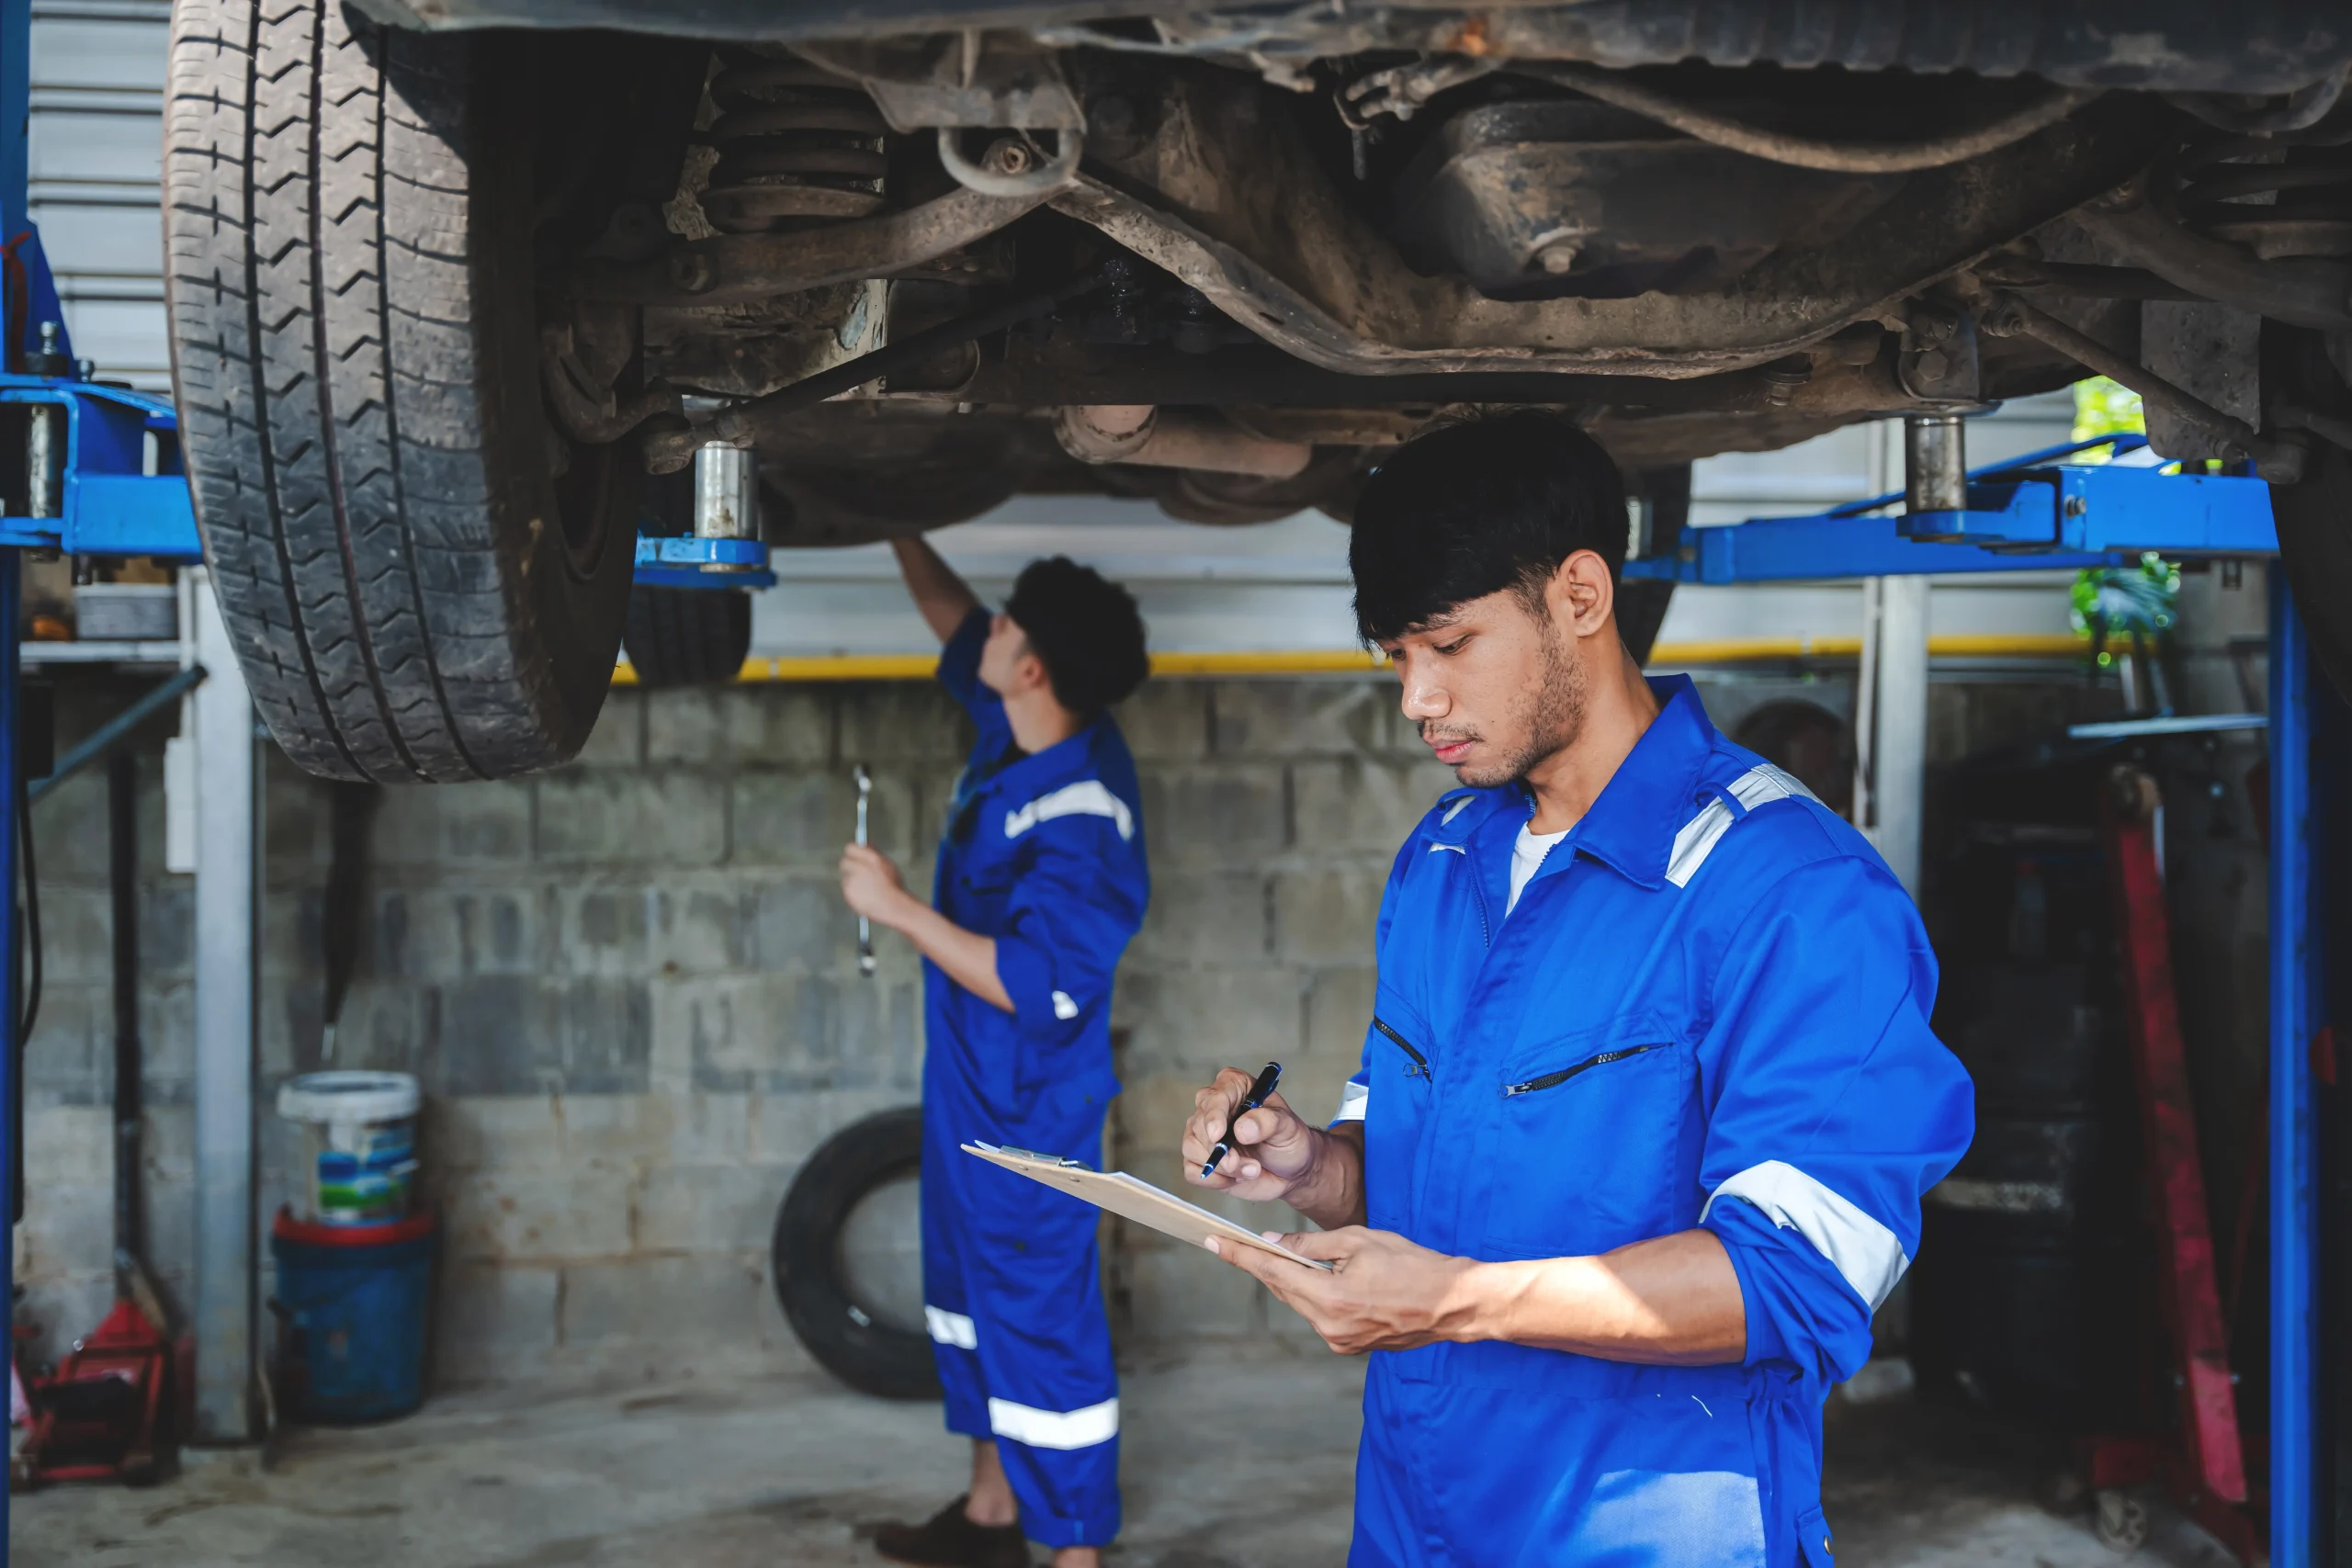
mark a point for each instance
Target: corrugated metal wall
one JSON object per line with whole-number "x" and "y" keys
{"x": 96, "y": 142}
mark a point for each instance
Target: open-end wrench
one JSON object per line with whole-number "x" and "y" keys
{"x": 865, "y": 925}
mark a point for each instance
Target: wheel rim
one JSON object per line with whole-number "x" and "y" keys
{"x": 880, "y": 1254}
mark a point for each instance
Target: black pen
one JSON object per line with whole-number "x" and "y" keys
{"x": 1256, "y": 1098}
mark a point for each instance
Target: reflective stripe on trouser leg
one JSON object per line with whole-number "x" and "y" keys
{"x": 1031, "y": 1276}
{"x": 954, "y": 1337}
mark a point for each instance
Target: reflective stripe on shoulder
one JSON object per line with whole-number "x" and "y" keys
{"x": 1355, "y": 1095}
{"x": 1088, "y": 797}
{"x": 1864, "y": 1251}
{"x": 1054, "y": 1428}
{"x": 1761, "y": 785}
{"x": 1455, "y": 809}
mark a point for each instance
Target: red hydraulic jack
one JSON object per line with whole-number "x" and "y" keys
{"x": 105, "y": 1413}
{"x": 2200, "y": 1461}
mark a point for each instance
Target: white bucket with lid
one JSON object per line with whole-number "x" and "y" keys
{"x": 362, "y": 1142}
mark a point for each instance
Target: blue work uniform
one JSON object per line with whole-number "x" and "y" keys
{"x": 1045, "y": 854}
{"x": 1708, "y": 1008}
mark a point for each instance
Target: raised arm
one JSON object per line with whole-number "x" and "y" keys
{"x": 938, "y": 592}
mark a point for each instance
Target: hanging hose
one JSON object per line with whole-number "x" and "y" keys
{"x": 1807, "y": 152}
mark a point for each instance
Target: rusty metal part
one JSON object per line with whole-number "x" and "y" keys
{"x": 668, "y": 451}
{"x": 736, "y": 268}
{"x": 1012, "y": 166}
{"x": 582, "y": 363}
{"x": 1228, "y": 197}
{"x": 1174, "y": 438}
{"x": 1331, "y": 427}
{"x": 795, "y": 143}
{"x": 2078, "y": 280}
{"x": 2301, "y": 293}
{"x": 1810, "y": 152}
{"x": 968, "y": 78}
{"x": 2280, "y": 462}
{"x": 1545, "y": 197}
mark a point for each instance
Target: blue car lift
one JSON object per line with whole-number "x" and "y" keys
{"x": 2034, "y": 513}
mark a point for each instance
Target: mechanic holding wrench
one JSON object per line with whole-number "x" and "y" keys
{"x": 1041, "y": 883}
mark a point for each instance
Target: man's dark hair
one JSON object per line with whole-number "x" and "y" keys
{"x": 1474, "y": 508}
{"x": 1084, "y": 628}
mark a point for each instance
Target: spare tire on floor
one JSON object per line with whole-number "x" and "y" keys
{"x": 848, "y": 1258}
{"x": 688, "y": 637}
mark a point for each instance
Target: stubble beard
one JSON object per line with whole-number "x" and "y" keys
{"x": 1546, "y": 720}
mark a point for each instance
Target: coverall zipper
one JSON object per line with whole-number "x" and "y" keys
{"x": 1419, "y": 1065}
{"x": 1554, "y": 1080}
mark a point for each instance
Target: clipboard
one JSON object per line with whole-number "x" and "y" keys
{"x": 1132, "y": 1198}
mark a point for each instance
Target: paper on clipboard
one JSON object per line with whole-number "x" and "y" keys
{"x": 1133, "y": 1197}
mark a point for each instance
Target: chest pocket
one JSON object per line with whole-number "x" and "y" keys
{"x": 1396, "y": 1114}
{"x": 1586, "y": 1150}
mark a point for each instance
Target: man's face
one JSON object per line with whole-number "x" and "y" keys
{"x": 1005, "y": 655}
{"x": 1492, "y": 685}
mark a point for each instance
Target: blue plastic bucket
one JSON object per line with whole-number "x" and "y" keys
{"x": 352, "y": 1306}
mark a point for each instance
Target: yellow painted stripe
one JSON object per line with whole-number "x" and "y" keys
{"x": 922, "y": 666}
{"x": 1970, "y": 645}
{"x": 1325, "y": 661}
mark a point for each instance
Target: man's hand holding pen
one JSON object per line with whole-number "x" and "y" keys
{"x": 1273, "y": 1150}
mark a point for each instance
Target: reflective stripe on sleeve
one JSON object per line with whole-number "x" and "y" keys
{"x": 1354, "y": 1097}
{"x": 1864, "y": 1251}
{"x": 1054, "y": 1428}
{"x": 1088, "y": 797}
{"x": 1759, "y": 785}
{"x": 951, "y": 1328}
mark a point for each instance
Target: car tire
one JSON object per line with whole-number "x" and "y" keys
{"x": 422, "y": 580}
{"x": 1642, "y": 602}
{"x": 688, "y": 637}
{"x": 852, "y": 1343}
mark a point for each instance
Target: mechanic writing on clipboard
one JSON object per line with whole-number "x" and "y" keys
{"x": 1649, "y": 1099}
{"x": 1041, "y": 883}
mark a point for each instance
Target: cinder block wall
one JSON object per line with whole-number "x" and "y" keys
{"x": 630, "y": 989}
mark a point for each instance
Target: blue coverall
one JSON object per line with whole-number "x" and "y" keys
{"x": 1708, "y": 1008}
{"x": 1045, "y": 854}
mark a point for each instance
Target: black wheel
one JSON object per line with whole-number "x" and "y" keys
{"x": 423, "y": 579}
{"x": 688, "y": 637}
{"x": 848, "y": 1259}
{"x": 1642, "y": 602}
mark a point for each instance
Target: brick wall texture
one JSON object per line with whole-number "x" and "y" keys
{"x": 630, "y": 989}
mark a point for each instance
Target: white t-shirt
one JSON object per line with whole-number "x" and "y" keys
{"x": 1527, "y": 852}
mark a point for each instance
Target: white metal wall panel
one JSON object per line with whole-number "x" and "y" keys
{"x": 95, "y": 148}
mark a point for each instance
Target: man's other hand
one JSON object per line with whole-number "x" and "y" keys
{"x": 1383, "y": 1292}
{"x": 1273, "y": 1151}
{"x": 871, "y": 884}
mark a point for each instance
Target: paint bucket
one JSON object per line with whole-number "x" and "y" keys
{"x": 362, "y": 1131}
{"x": 351, "y": 1306}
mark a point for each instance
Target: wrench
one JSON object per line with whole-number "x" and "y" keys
{"x": 865, "y": 925}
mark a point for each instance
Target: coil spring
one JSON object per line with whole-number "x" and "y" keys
{"x": 796, "y": 146}
{"x": 2301, "y": 206}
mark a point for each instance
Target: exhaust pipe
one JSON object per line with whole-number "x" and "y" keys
{"x": 1174, "y": 438}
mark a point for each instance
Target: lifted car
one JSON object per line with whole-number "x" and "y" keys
{"x": 460, "y": 288}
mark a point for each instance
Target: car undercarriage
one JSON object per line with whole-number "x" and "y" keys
{"x": 922, "y": 259}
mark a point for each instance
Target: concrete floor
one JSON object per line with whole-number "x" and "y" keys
{"x": 799, "y": 1471}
